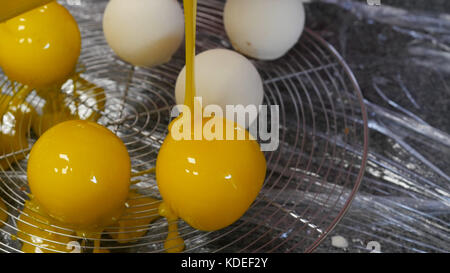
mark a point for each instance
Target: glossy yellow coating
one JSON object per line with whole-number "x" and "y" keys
{"x": 140, "y": 212}
{"x": 79, "y": 172}
{"x": 11, "y": 9}
{"x": 3, "y": 215}
{"x": 173, "y": 243}
{"x": 97, "y": 247}
{"x": 85, "y": 103}
{"x": 40, "y": 47}
{"x": 15, "y": 121}
{"x": 38, "y": 235}
{"x": 190, "y": 18}
{"x": 210, "y": 184}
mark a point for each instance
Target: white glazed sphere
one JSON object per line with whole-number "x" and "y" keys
{"x": 264, "y": 29}
{"x": 223, "y": 77}
{"x": 144, "y": 32}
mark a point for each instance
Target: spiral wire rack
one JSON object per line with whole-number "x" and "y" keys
{"x": 311, "y": 179}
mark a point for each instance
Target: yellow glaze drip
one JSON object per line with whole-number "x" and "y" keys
{"x": 15, "y": 119}
{"x": 139, "y": 213}
{"x": 190, "y": 13}
{"x": 38, "y": 233}
{"x": 97, "y": 248}
{"x": 222, "y": 176}
{"x": 3, "y": 215}
{"x": 173, "y": 243}
{"x": 84, "y": 103}
{"x": 149, "y": 171}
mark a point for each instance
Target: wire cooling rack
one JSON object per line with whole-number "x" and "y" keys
{"x": 311, "y": 178}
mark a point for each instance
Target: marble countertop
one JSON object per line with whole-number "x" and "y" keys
{"x": 400, "y": 54}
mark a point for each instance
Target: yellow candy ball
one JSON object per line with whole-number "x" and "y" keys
{"x": 79, "y": 172}
{"x": 40, "y": 47}
{"x": 210, "y": 184}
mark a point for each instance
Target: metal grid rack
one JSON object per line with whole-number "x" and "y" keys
{"x": 311, "y": 178}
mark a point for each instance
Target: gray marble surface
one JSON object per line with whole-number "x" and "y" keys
{"x": 400, "y": 55}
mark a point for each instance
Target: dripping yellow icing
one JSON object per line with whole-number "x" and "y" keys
{"x": 139, "y": 213}
{"x": 173, "y": 243}
{"x": 3, "y": 215}
{"x": 84, "y": 102}
{"x": 38, "y": 233}
{"x": 222, "y": 177}
{"x": 15, "y": 119}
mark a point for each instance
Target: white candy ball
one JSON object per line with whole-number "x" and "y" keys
{"x": 144, "y": 32}
{"x": 264, "y": 29}
{"x": 223, "y": 77}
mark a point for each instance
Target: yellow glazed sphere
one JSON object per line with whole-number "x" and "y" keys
{"x": 210, "y": 184}
{"x": 40, "y": 47}
{"x": 79, "y": 172}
